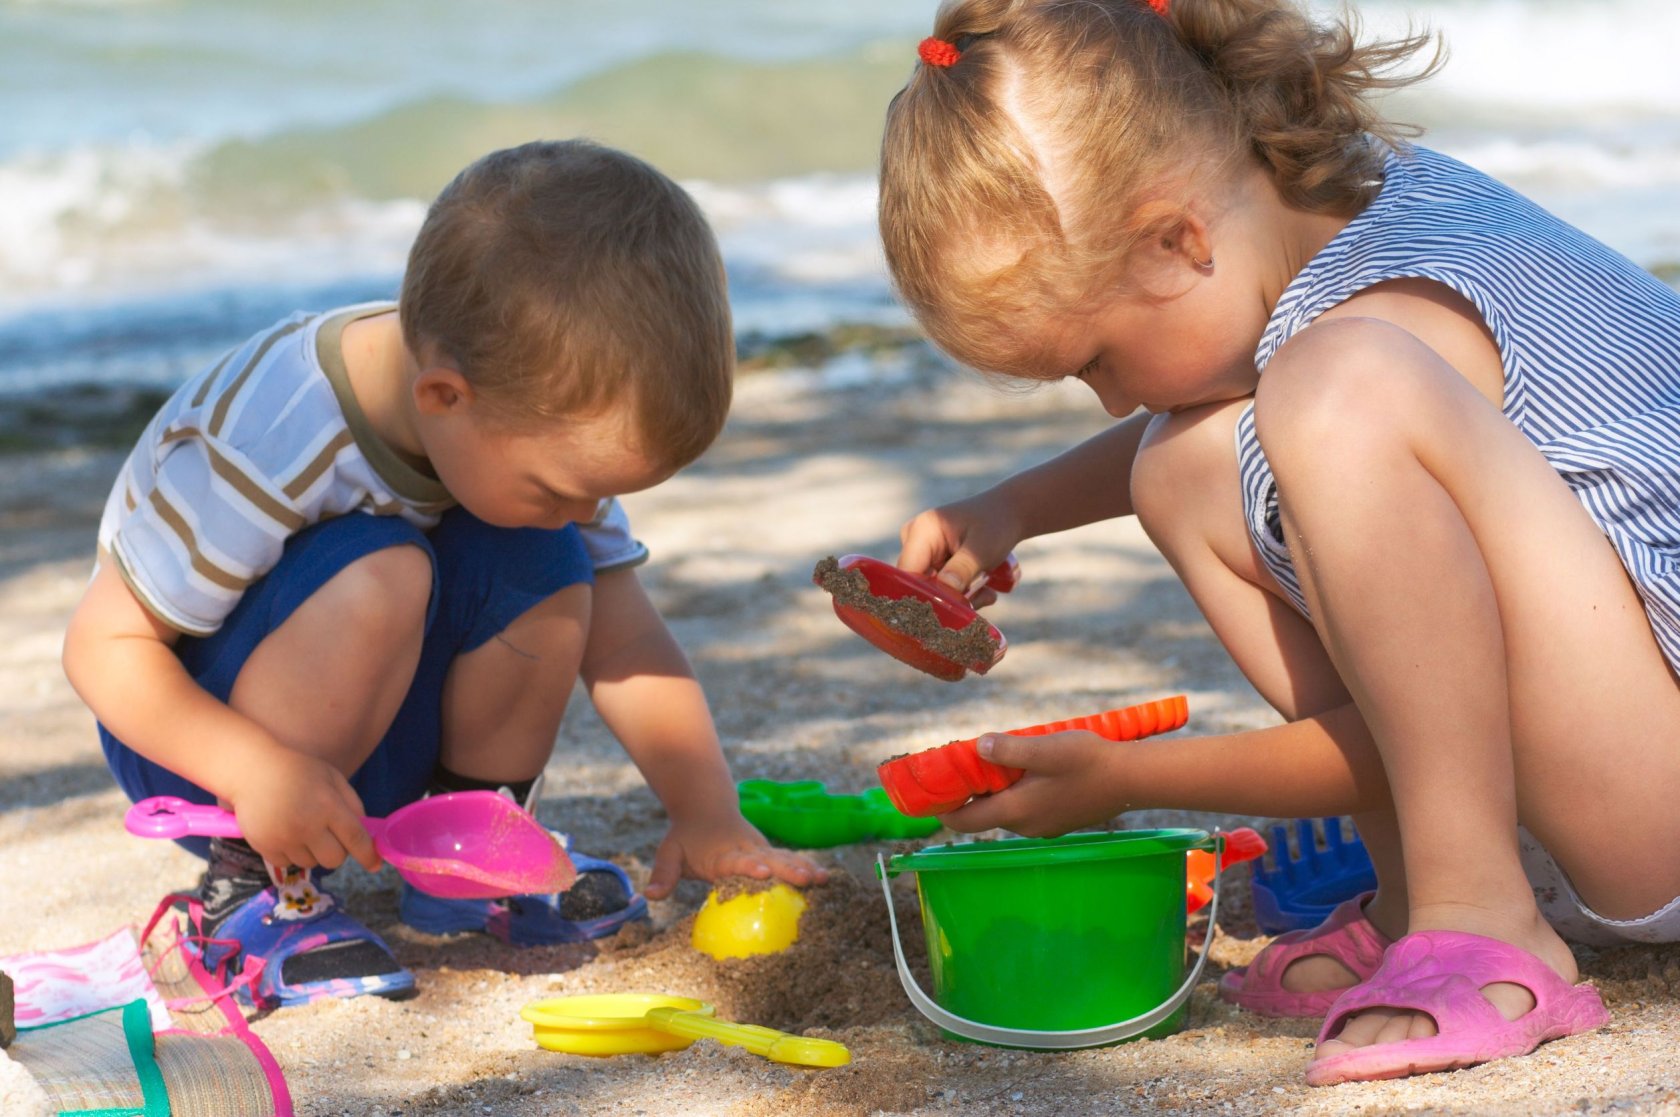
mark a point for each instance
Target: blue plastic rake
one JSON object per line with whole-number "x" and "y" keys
{"x": 1302, "y": 890}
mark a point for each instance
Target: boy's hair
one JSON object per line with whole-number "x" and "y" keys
{"x": 567, "y": 278}
{"x": 982, "y": 222}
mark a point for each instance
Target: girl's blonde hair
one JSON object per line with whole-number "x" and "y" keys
{"x": 985, "y": 221}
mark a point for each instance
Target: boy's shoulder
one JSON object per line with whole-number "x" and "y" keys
{"x": 290, "y": 372}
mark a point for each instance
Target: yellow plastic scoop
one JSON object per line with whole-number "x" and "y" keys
{"x": 647, "y": 1023}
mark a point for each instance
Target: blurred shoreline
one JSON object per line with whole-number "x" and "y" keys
{"x": 106, "y": 414}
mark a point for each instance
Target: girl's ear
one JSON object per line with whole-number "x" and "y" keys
{"x": 1177, "y": 247}
{"x": 1189, "y": 241}
{"x": 441, "y": 390}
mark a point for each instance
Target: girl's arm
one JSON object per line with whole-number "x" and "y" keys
{"x": 1087, "y": 484}
{"x": 1084, "y": 485}
{"x": 644, "y": 689}
{"x": 1321, "y": 765}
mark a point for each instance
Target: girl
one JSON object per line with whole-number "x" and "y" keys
{"x": 1440, "y": 534}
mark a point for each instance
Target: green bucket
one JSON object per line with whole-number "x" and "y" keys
{"x": 1053, "y": 943}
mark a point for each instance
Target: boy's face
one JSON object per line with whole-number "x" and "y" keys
{"x": 545, "y": 477}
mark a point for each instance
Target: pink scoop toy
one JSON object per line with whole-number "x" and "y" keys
{"x": 467, "y": 845}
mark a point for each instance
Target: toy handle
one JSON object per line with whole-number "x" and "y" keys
{"x": 1003, "y": 577}
{"x": 943, "y": 778}
{"x": 169, "y": 816}
{"x": 1033, "y": 1038}
{"x": 766, "y": 1042}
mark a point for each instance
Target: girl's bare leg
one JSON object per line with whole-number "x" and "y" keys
{"x": 1185, "y": 490}
{"x": 1489, "y": 635}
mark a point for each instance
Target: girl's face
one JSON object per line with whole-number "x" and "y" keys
{"x": 1163, "y": 353}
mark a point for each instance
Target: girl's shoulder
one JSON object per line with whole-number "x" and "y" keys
{"x": 1440, "y": 220}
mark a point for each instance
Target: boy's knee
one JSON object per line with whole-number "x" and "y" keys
{"x": 385, "y": 591}
{"x": 555, "y": 628}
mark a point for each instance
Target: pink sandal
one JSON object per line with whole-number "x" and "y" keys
{"x": 1347, "y": 936}
{"x": 1442, "y": 973}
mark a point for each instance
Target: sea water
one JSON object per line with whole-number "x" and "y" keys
{"x": 175, "y": 174}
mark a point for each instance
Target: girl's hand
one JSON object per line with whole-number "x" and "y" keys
{"x": 960, "y": 541}
{"x": 300, "y": 810}
{"x": 1073, "y": 780}
{"x": 724, "y": 845}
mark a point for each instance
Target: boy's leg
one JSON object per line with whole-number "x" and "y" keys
{"x": 515, "y": 619}
{"x": 1187, "y": 497}
{"x": 320, "y": 652}
{"x": 1489, "y": 634}
{"x": 329, "y": 680}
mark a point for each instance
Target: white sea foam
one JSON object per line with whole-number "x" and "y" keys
{"x": 1573, "y": 163}
{"x": 61, "y": 208}
{"x": 1547, "y": 54}
{"x": 160, "y": 177}
{"x": 812, "y": 229}
{"x": 106, "y": 222}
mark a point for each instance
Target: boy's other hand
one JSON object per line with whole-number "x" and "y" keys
{"x": 723, "y": 846}
{"x": 1073, "y": 780}
{"x": 299, "y": 810}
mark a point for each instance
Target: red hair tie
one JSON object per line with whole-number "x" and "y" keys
{"x": 1160, "y": 6}
{"x": 937, "y": 52}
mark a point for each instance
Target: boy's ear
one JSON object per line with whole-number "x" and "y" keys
{"x": 441, "y": 390}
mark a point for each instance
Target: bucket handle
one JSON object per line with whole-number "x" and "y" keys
{"x": 1034, "y": 1038}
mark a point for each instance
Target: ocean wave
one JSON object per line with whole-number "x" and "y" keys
{"x": 1556, "y": 56}
{"x": 91, "y": 213}
{"x": 1575, "y": 163}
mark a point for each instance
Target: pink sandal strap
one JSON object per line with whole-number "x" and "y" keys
{"x": 1441, "y": 974}
{"x": 1346, "y": 936}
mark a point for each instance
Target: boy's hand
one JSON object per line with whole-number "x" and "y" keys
{"x": 960, "y": 541}
{"x": 1073, "y": 780}
{"x": 299, "y": 810}
{"x": 724, "y": 845}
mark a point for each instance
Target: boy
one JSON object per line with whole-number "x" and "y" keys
{"x": 366, "y": 555}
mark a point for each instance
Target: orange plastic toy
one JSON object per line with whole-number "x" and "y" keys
{"x": 939, "y": 780}
{"x": 1241, "y": 844}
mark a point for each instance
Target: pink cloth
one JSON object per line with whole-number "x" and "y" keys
{"x": 54, "y": 985}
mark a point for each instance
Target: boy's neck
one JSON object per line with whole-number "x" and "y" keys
{"x": 381, "y": 372}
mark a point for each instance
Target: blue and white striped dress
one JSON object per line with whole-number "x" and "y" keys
{"x": 1590, "y": 343}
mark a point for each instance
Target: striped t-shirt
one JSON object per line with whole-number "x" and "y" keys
{"x": 1590, "y": 344}
{"x": 265, "y": 442}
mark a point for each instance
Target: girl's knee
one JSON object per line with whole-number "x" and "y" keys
{"x": 1341, "y": 386}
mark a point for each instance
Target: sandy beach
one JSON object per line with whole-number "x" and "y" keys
{"x": 813, "y": 463}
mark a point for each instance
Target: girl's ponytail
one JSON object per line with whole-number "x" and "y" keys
{"x": 1300, "y": 91}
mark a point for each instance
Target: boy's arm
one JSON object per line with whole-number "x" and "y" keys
{"x": 644, "y": 689}
{"x": 121, "y": 661}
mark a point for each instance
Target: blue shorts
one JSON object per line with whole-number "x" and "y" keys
{"x": 483, "y": 579}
